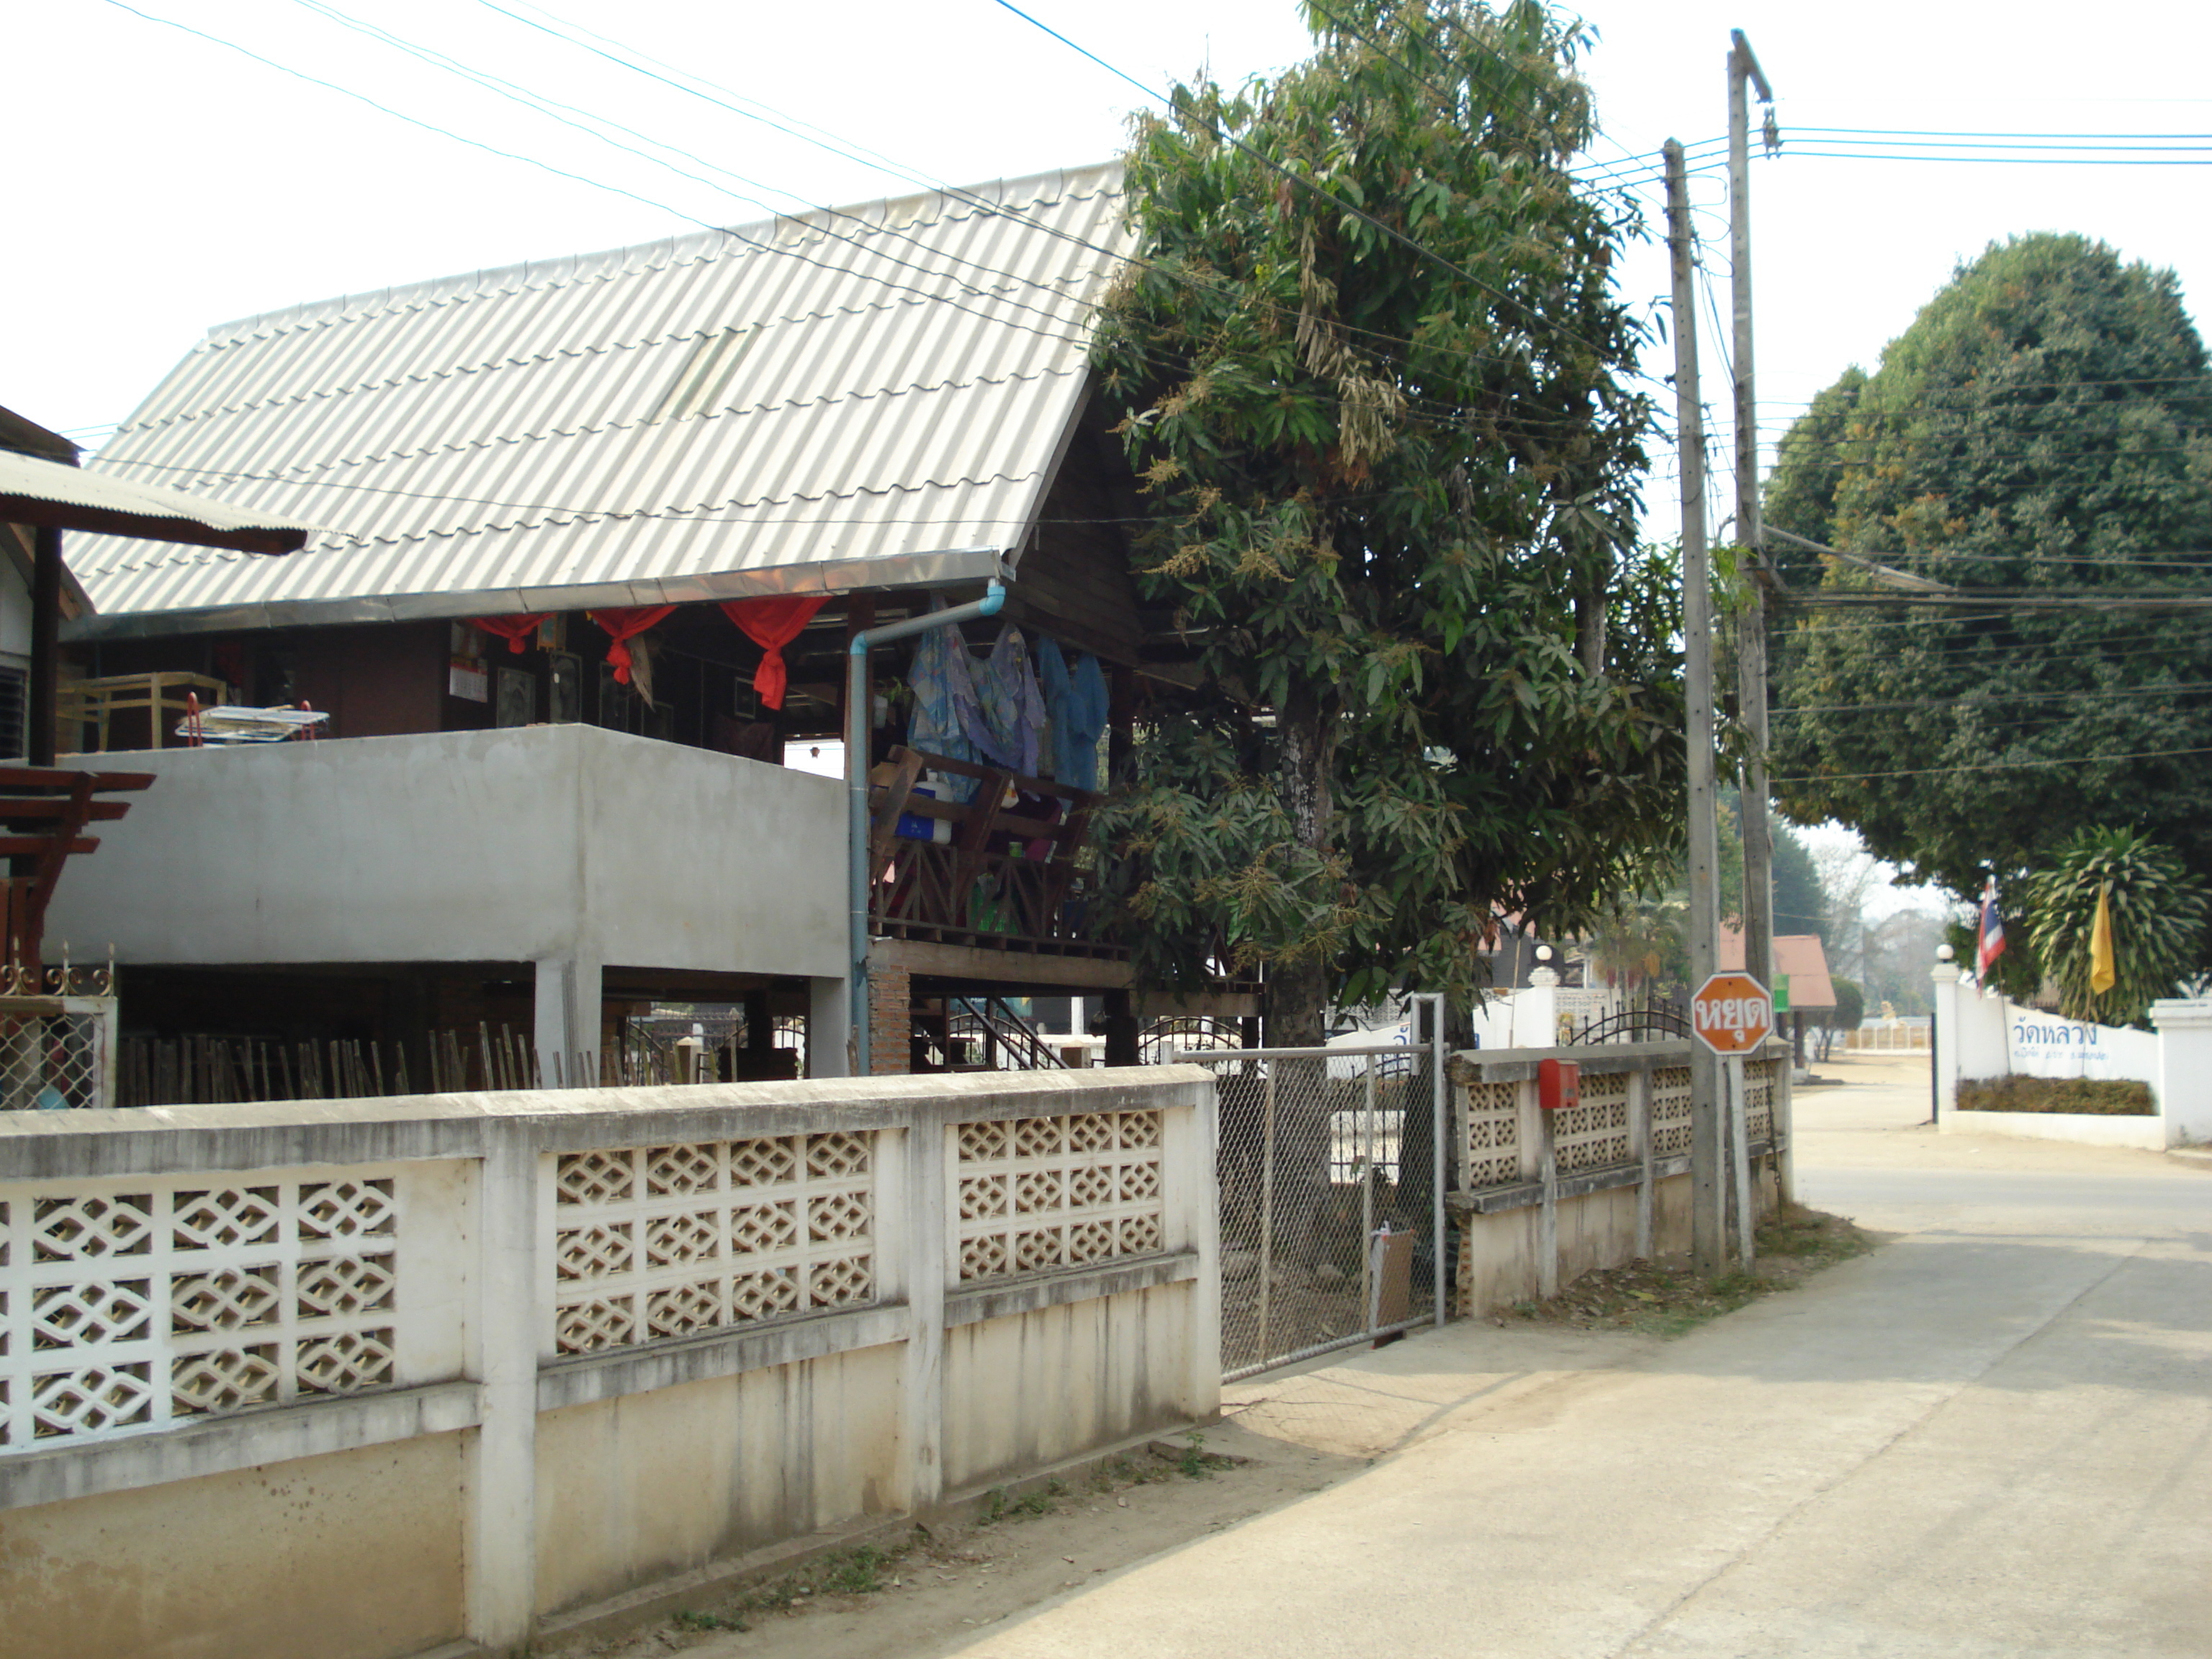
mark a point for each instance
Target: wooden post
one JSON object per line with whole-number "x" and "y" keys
{"x": 44, "y": 699}
{"x": 1707, "y": 1179}
{"x": 1121, "y": 721}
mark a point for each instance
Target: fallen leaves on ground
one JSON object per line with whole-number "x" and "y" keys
{"x": 1667, "y": 1298}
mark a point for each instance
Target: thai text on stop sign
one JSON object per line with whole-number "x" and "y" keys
{"x": 1732, "y": 1013}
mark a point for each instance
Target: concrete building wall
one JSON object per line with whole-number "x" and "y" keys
{"x": 561, "y": 842}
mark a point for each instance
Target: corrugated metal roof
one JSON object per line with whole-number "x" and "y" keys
{"x": 33, "y": 490}
{"x": 850, "y": 398}
{"x": 1798, "y": 957}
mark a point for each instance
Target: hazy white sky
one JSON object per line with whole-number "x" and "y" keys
{"x": 165, "y": 183}
{"x": 177, "y": 184}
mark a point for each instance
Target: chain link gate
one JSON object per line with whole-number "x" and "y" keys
{"x": 1330, "y": 1209}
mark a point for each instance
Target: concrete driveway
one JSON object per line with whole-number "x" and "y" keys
{"x": 1993, "y": 1437}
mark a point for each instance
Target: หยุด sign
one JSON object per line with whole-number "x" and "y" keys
{"x": 1731, "y": 1014}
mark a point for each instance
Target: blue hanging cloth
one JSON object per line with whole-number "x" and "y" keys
{"x": 945, "y": 706}
{"x": 1077, "y": 705}
{"x": 1011, "y": 710}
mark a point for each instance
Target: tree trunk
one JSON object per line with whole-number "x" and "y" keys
{"x": 1298, "y": 991}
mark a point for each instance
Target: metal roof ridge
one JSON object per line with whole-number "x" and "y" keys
{"x": 462, "y": 286}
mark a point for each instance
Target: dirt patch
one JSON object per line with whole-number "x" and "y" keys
{"x": 1666, "y": 1299}
{"x": 933, "y": 1588}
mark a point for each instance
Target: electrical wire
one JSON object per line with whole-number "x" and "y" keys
{"x": 2186, "y": 688}
{"x": 550, "y": 108}
{"x": 1987, "y": 766}
{"x": 1187, "y": 111}
{"x": 595, "y": 184}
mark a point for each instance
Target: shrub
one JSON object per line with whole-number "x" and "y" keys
{"x": 2095, "y": 1096}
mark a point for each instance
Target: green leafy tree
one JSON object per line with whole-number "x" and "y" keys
{"x": 1848, "y": 1015}
{"x": 2045, "y": 423}
{"x": 1372, "y": 373}
{"x": 2158, "y": 918}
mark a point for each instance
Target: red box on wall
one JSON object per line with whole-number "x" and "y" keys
{"x": 1559, "y": 1084}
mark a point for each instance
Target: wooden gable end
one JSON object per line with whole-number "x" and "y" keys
{"x": 1074, "y": 583}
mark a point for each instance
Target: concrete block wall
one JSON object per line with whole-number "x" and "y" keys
{"x": 358, "y": 1378}
{"x": 1546, "y": 1196}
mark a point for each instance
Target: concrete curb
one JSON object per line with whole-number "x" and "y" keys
{"x": 2196, "y": 1157}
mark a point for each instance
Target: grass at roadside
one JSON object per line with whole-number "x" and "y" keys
{"x": 844, "y": 1575}
{"x": 1667, "y": 1299}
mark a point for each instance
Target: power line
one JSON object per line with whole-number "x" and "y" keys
{"x": 2200, "y": 376}
{"x": 500, "y": 87}
{"x": 1989, "y": 766}
{"x": 1187, "y": 110}
{"x": 1994, "y": 161}
{"x": 2184, "y": 688}
{"x": 956, "y": 193}
{"x": 578, "y": 178}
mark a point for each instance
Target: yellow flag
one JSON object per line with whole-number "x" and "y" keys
{"x": 2102, "y": 977}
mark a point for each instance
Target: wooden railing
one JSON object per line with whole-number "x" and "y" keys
{"x": 44, "y": 814}
{"x": 1006, "y": 878}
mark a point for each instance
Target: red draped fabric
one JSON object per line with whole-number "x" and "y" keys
{"x": 773, "y": 623}
{"x": 513, "y": 629}
{"x": 623, "y": 626}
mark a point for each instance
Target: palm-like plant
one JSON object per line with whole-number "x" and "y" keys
{"x": 1640, "y": 940}
{"x": 2158, "y": 913}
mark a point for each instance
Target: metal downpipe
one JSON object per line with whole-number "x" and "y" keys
{"x": 857, "y": 725}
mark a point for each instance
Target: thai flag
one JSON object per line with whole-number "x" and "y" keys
{"x": 1992, "y": 933}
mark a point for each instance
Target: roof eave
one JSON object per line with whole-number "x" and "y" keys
{"x": 949, "y": 567}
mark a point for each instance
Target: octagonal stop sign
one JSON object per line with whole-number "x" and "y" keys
{"x": 1731, "y": 1014}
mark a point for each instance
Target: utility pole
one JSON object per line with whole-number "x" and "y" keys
{"x": 1751, "y": 629}
{"x": 1751, "y": 643}
{"x": 1708, "y": 1232}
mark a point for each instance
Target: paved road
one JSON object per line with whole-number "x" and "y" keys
{"x": 1993, "y": 1437}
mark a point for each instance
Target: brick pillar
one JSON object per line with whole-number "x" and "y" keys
{"x": 891, "y": 1019}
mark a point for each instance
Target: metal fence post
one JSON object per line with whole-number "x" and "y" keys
{"x": 1267, "y": 1207}
{"x": 1547, "y": 1216}
{"x": 1639, "y": 1138}
{"x": 1437, "y": 1102}
{"x": 1366, "y": 1166}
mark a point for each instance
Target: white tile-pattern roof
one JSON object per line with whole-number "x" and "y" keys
{"x": 904, "y": 378}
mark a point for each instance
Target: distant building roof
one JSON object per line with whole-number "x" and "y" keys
{"x": 849, "y": 399}
{"x": 1798, "y": 957}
